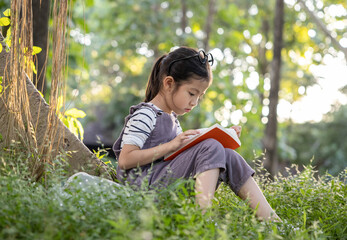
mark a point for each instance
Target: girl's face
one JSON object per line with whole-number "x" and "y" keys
{"x": 187, "y": 96}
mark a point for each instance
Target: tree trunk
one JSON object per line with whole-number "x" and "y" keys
{"x": 41, "y": 10}
{"x": 209, "y": 21}
{"x": 263, "y": 63}
{"x": 183, "y": 20}
{"x": 270, "y": 139}
{"x": 79, "y": 157}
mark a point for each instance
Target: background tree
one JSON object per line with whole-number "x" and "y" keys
{"x": 270, "y": 138}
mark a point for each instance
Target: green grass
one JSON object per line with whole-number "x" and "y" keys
{"x": 312, "y": 208}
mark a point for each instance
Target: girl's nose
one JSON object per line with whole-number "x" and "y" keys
{"x": 194, "y": 102}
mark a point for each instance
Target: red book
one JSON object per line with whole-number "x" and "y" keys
{"x": 227, "y": 137}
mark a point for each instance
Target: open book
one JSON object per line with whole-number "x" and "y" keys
{"x": 227, "y": 137}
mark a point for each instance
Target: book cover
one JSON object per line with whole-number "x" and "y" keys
{"x": 227, "y": 137}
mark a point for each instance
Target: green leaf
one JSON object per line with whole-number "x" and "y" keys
{"x": 75, "y": 113}
{"x": 72, "y": 126}
{"x": 8, "y": 37}
{"x": 0, "y": 47}
{"x": 36, "y": 50}
{"x": 66, "y": 123}
{"x": 33, "y": 67}
{"x": 7, "y": 12}
{"x": 4, "y": 21}
{"x": 79, "y": 128}
{"x": 89, "y": 3}
{"x": 61, "y": 117}
{"x": 8, "y": 33}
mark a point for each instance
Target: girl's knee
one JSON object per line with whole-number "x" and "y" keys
{"x": 213, "y": 145}
{"x": 233, "y": 155}
{"x": 212, "y": 152}
{"x": 235, "y": 160}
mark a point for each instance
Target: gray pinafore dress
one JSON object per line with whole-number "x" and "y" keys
{"x": 206, "y": 155}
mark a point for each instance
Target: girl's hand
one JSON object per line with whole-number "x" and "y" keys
{"x": 178, "y": 141}
{"x": 237, "y": 129}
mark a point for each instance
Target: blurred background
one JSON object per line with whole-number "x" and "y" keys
{"x": 280, "y": 69}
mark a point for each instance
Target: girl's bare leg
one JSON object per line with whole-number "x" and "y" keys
{"x": 251, "y": 191}
{"x": 205, "y": 186}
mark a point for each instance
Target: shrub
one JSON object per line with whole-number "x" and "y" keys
{"x": 311, "y": 208}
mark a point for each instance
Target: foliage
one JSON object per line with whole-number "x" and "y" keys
{"x": 310, "y": 202}
{"x": 324, "y": 141}
{"x": 119, "y": 46}
{"x": 70, "y": 119}
{"x": 6, "y": 22}
{"x": 311, "y": 208}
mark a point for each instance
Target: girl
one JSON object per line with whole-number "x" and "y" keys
{"x": 177, "y": 81}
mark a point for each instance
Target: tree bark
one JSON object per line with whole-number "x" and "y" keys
{"x": 209, "y": 21}
{"x": 270, "y": 139}
{"x": 41, "y": 11}
{"x": 263, "y": 63}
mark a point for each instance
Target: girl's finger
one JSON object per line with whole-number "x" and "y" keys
{"x": 191, "y": 132}
{"x": 237, "y": 130}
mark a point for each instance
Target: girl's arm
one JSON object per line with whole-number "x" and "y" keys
{"x": 132, "y": 156}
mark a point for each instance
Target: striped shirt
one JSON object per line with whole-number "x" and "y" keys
{"x": 140, "y": 126}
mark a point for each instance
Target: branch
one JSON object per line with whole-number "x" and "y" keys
{"x": 322, "y": 26}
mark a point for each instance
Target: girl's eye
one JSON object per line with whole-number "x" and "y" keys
{"x": 191, "y": 94}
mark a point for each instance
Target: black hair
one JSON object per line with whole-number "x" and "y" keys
{"x": 180, "y": 71}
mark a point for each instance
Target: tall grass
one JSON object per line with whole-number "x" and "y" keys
{"x": 311, "y": 208}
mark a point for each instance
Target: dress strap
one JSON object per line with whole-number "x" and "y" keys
{"x": 134, "y": 108}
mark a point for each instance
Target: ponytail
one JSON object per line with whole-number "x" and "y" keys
{"x": 154, "y": 83}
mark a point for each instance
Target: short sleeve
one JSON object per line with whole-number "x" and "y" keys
{"x": 139, "y": 127}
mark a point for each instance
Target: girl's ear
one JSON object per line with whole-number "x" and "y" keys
{"x": 169, "y": 83}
